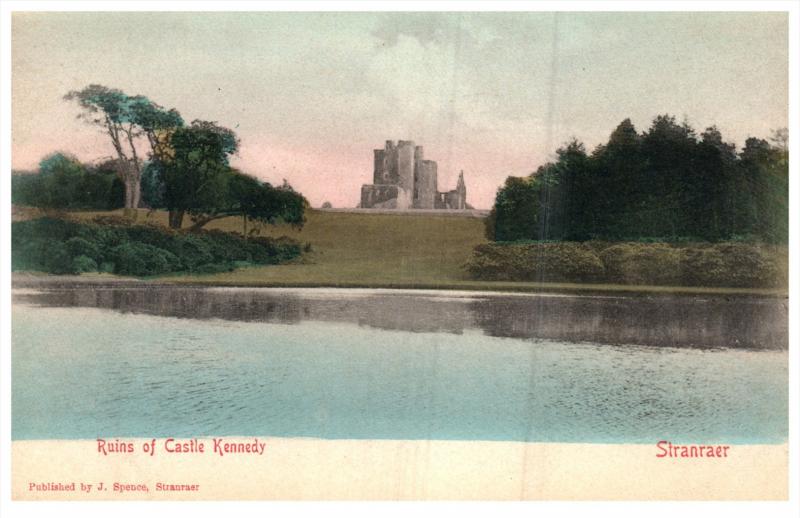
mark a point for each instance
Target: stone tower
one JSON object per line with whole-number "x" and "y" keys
{"x": 461, "y": 189}
{"x": 403, "y": 179}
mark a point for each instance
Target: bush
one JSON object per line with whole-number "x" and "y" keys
{"x": 551, "y": 262}
{"x": 736, "y": 265}
{"x": 54, "y": 229}
{"x": 141, "y": 259}
{"x": 61, "y": 246}
{"x": 57, "y": 259}
{"x": 732, "y": 264}
{"x": 78, "y": 246}
{"x": 193, "y": 250}
{"x": 639, "y": 263}
{"x": 29, "y": 255}
{"x": 83, "y": 264}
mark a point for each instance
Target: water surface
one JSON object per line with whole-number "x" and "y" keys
{"x": 95, "y": 361}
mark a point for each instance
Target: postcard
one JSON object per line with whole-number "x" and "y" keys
{"x": 526, "y": 255}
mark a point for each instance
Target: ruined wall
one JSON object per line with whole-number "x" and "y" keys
{"x": 380, "y": 173}
{"x": 377, "y": 195}
{"x": 403, "y": 179}
{"x": 385, "y": 168}
{"x": 453, "y": 200}
{"x": 404, "y": 199}
{"x": 405, "y": 164}
{"x": 461, "y": 189}
{"x": 425, "y": 187}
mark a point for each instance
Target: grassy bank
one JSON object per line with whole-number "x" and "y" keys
{"x": 396, "y": 251}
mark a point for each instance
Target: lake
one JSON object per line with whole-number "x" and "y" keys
{"x": 109, "y": 360}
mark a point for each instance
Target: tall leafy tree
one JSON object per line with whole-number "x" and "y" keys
{"x": 197, "y": 173}
{"x": 515, "y": 215}
{"x": 200, "y": 182}
{"x": 126, "y": 119}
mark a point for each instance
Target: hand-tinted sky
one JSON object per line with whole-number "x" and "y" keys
{"x": 311, "y": 94}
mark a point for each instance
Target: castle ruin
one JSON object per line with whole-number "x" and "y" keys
{"x": 403, "y": 179}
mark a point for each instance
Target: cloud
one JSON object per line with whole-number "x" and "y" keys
{"x": 311, "y": 94}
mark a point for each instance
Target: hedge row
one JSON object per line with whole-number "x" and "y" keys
{"x": 62, "y": 246}
{"x": 740, "y": 265}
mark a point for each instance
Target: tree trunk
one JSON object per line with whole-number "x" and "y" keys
{"x": 137, "y": 192}
{"x": 176, "y": 219}
{"x": 203, "y": 221}
{"x": 128, "y": 192}
{"x": 200, "y": 223}
{"x": 130, "y": 208}
{"x": 133, "y": 185}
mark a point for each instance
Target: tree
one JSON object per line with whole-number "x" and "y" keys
{"x": 515, "y": 213}
{"x": 125, "y": 119}
{"x": 767, "y": 177}
{"x": 716, "y": 187}
{"x": 260, "y": 201}
{"x": 60, "y": 163}
{"x": 64, "y": 183}
{"x": 196, "y": 175}
{"x": 667, "y": 183}
{"x": 564, "y": 191}
{"x": 153, "y": 186}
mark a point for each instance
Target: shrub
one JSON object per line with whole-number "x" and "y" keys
{"x": 57, "y": 259}
{"x": 142, "y": 259}
{"x": 736, "y": 265}
{"x": 29, "y": 254}
{"x": 193, "y": 250}
{"x": 55, "y": 229}
{"x": 731, "y": 264}
{"x": 83, "y": 263}
{"x": 639, "y": 263}
{"x": 570, "y": 262}
{"x": 78, "y": 246}
{"x": 61, "y": 246}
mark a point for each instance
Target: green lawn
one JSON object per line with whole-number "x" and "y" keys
{"x": 367, "y": 249}
{"x": 392, "y": 251}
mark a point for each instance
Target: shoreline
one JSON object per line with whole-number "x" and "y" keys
{"x": 316, "y": 469}
{"x": 33, "y": 280}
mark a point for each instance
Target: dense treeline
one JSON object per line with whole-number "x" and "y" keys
{"x": 666, "y": 184}
{"x": 113, "y": 245}
{"x": 64, "y": 183}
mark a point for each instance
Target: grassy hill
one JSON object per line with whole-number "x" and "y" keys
{"x": 391, "y": 251}
{"x": 356, "y": 249}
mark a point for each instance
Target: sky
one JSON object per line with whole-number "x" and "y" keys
{"x": 310, "y": 95}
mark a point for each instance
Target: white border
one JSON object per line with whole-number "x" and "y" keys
{"x": 9, "y": 508}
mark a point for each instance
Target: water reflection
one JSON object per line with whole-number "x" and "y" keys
{"x": 675, "y": 321}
